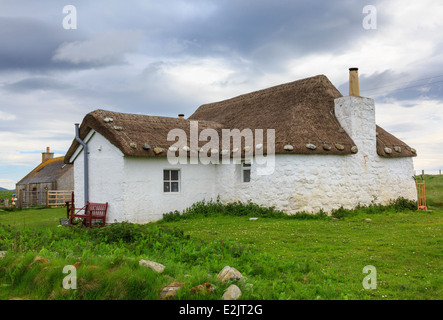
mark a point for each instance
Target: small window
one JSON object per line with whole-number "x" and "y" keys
{"x": 246, "y": 172}
{"x": 171, "y": 181}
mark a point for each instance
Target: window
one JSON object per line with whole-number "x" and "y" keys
{"x": 171, "y": 180}
{"x": 246, "y": 172}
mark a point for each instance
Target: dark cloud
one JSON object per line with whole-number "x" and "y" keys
{"x": 28, "y": 44}
{"x": 37, "y": 83}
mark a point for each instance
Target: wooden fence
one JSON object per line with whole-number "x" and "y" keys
{"x": 433, "y": 172}
{"x": 47, "y": 198}
{"x": 57, "y": 198}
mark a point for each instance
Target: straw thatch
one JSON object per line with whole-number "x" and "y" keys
{"x": 391, "y": 147}
{"x": 300, "y": 112}
{"x": 133, "y": 133}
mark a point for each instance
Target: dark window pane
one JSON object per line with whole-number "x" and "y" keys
{"x": 174, "y": 175}
{"x": 166, "y": 187}
{"x": 246, "y": 175}
{"x": 246, "y": 165}
{"x": 166, "y": 174}
{"x": 174, "y": 186}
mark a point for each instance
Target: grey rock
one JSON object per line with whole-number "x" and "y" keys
{"x": 228, "y": 273}
{"x": 311, "y": 146}
{"x": 339, "y": 146}
{"x": 157, "y": 267}
{"x": 232, "y": 293}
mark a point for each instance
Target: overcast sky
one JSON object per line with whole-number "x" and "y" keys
{"x": 169, "y": 57}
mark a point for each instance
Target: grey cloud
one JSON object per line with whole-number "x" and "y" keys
{"x": 104, "y": 49}
{"x": 37, "y": 83}
{"x": 28, "y": 44}
{"x": 401, "y": 86}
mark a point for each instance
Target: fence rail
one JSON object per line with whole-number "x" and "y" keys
{"x": 47, "y": 198}
{"x": 57, "y": 198}
{"x": 423, "y": 172}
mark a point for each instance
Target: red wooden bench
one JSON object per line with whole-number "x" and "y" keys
{"x": 92, "y": 211}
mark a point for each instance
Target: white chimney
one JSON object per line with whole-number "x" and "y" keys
{"x": 356, "y": 115}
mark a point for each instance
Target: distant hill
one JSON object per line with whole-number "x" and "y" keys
{"x": 3, "y": 189}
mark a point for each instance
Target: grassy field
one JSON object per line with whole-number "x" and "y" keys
{"x": 6, "y": 194}
{"x": 434, "y": 190}
{"x": 280, "y": 257}
{"x": 32, "y": 218}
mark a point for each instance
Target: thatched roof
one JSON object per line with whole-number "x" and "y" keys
{"x": 391, "y": 147}
{"x": 133, "y": 133}
{"x": 301, "y": 112}
{"x": 49, "y": 171}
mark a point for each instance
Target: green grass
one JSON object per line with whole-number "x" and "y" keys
{"x": 434, "y": 190}
{"x": 282, "y": 257}
{"x": 33, "y": 218}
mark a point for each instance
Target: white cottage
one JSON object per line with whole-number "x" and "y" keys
{"x": 327, "y": 152}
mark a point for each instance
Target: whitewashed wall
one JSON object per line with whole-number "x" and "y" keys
{"x": 313, "y": 182}
{"x": 143, "y": 187}
{"x": 106, "y": 176}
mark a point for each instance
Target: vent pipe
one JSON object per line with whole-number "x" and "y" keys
{"x": 354, "y": 88}
{"x": 86, "y": 165}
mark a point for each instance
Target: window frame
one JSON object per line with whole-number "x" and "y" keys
{"x": 170, "y": 181}
{"x": 246, "y": 166}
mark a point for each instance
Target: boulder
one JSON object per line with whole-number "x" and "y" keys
{"x": 170, "y": 290}
{"x": 152, "y": 265}
{"x": 232, "y": 293}
{"x": 228, "y": 273}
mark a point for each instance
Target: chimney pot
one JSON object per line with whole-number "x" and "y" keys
{"x": 47, "y": 155}
{"x": 354, "y": 88}
{"x": 181, "y": 115}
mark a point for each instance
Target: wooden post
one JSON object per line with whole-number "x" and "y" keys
{"x": 439, "y": 172}
{"x": 47, "y": 198}
{"x": 20, "y": 199}
{"x": 423, "y": 172}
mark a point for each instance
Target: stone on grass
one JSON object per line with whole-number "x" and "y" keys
{"x": 170, "y": 290}
{"x": 203, "y": 288}
{"x": 232, "y": 293}
{"x": 228, "y": 273}
{"x": 152, "y": 265}
{"x": 40, "y": 260}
